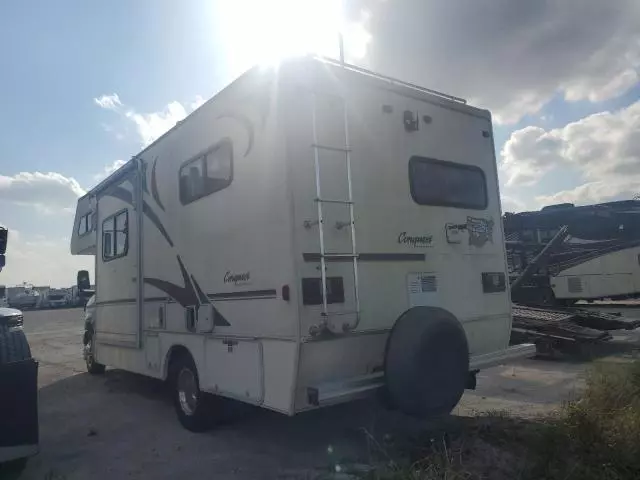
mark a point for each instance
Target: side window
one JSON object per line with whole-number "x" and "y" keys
{"x": 207, "y": 173}
{"x": 86, "y": 224}
{"x": 115, "y": 236}
{"x": 447, "y": 184}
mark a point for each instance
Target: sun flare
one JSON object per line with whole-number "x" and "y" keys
{"x": 266, "y": 32}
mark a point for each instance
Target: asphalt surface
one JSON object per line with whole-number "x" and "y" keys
{"x": 120, "y": 425}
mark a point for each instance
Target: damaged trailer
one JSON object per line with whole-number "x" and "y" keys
{"x": 598, "y": 258}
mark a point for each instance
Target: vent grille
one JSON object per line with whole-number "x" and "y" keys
{"x": 574, "y": 284}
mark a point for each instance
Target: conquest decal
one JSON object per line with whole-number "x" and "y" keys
{"x": 237, "y": 278}
{"x": 415, "y": 241}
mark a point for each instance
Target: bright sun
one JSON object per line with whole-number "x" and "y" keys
{"x": 266, "y": 31}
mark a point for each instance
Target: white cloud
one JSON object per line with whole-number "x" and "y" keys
{"x": 528, "y": 155}
{"x": 511, "y": 204}
{"x": 603, "y": 148}
{"x": 197, "y": 102}
{"x": 48, "y": 192}
{"x": 151, "y": 126}
{"x": 108, "y": 102}
{"x": 40, "y": 261}
{"x": 511, "y": 57}
{"x": 595, "y": 192}
{"x": 109, "y": 169}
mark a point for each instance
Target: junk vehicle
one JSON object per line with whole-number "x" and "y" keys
{"x": 26, "y": 297}
{"x": 58, "y": 298}
{"x": 302, "y": 239}
{"x": 596, "y": 254}
{"x": 19, "y": 434}
{"x": 3, "y": 296}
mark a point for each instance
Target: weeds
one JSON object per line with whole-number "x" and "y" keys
{"x": 596, "y": 437}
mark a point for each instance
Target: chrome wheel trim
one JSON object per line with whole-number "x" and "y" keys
{"x": 187, "y": 391}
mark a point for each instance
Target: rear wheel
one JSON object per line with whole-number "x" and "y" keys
{"x": 195, "y": 409}
{"x": 426, "y": 362}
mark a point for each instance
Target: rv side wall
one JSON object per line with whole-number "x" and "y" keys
{"x": 216, "y": 241}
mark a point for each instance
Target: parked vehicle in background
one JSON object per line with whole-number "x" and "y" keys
{"x": 3, "y": 296}
{"x": 303, "y": 239}
{"x": 26, "y": 297}
{"x": 58, "y": 298}
{"x": 598, "y": 258}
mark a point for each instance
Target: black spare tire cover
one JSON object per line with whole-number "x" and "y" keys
{"x": 426, "y": 362}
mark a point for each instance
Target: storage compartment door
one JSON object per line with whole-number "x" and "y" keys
{"x": 234, "y": 368}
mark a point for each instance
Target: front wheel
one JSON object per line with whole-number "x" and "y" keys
{"x": 93, "y": 367}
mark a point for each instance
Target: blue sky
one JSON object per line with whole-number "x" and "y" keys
{"x": 150, "y": 62}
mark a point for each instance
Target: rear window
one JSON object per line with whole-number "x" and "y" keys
{"x": 447, "y": 184}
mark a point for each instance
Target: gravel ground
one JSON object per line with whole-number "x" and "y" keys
{"x": 121, "y": 425}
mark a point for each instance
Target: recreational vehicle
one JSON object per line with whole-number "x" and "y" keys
{"x": 312, "y": 234}
{"x": 598, "y": 258}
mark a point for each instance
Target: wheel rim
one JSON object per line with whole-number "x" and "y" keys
{"x": 187, "y": 391}
{"x": 89, "y": 354}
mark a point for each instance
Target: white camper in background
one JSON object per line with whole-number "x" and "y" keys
{"x": 310, "y": 235}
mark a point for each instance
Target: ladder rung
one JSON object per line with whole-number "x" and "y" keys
{"x": 328, "y": 200}
{"x": 333, "y": 149}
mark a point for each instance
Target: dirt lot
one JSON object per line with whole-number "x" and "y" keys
{"x": 123, "y": 426}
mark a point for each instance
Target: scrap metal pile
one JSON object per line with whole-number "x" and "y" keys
{"x": 568, "y": 324}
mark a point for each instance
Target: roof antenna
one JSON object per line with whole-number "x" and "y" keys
{"x": 341, "y": 26}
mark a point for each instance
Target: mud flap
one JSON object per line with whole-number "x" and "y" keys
{"x": 18, "y": 410}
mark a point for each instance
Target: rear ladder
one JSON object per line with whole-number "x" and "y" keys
{"x": 320, "y": 201}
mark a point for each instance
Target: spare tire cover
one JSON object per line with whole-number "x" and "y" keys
{"x": 426, "y": 362}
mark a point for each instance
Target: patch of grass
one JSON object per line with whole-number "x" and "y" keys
{"x": 596, "y": 437}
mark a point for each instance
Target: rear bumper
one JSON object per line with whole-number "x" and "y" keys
{"x": 514, "y": 352}
{"x": 358, "y": 387}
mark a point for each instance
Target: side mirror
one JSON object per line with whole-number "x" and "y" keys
{"x": 83, "y": 281}
{"x": 4, "y": 235}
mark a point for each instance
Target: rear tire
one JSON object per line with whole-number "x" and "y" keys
{"x": 194, "y": 408}
{"x": 426, "y": 362}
